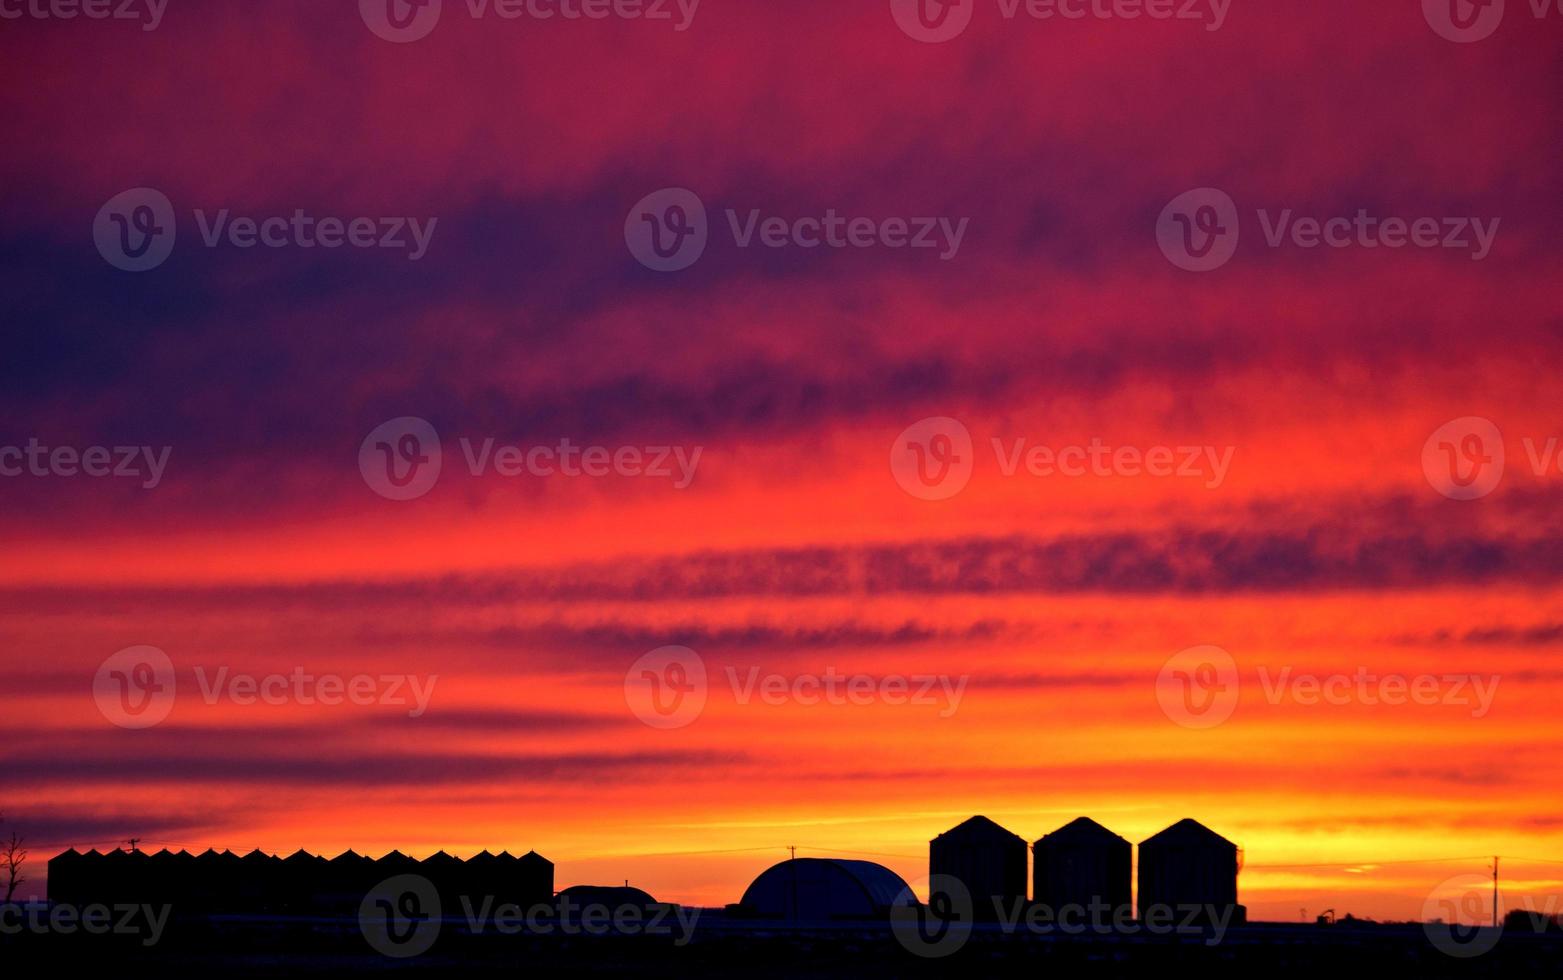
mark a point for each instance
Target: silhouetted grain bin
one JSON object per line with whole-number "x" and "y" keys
{"x": 348, "y": 878}
{"x": 302, "y": 883}
{"x": 305, "y": 880}
{"x": 66, "y": 874}
{"x": 823, "y": 889}
{"x": 1186, "y": 867}
{"x": 257, "y": 887}
{"x": 169, "y": 878}
{"x": 1083, "y": 865}
{"x": 447, "y": 874}
{"x": 534, "y": 879}
{"x": 988, "y": 860}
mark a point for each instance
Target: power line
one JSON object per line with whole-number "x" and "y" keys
{"x": 1533, "y": 860}
{"x": 830, "y": 850}
{"x": 1358, "y": 864}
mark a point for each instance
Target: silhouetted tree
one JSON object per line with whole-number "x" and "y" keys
{"x": 12, "y": 856}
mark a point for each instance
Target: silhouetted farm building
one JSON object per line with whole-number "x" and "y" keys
{"x": 300, "y": 883}
{"x": 987, "y": 859}
{"x": 607, "y": 896}
{"x": 1189, "y": 865}
{"x": 822, "y": 889}
{"x": 1083, "y": 864}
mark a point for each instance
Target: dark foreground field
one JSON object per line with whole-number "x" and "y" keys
{"x": 227, "y": 949}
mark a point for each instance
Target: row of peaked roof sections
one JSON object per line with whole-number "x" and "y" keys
{"x": 222, "y": 881}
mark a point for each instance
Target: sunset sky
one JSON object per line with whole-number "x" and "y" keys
{"x": 1052, "y": 602}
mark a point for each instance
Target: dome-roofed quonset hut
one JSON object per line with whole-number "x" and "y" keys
{"x": 815, "y": 889}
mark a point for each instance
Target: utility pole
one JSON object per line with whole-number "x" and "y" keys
{"x": 133, "y": 842}
{"x": 1495, "y": 891}
{"x": 793, "y": 868}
